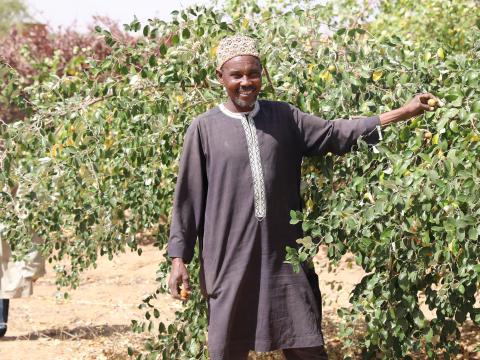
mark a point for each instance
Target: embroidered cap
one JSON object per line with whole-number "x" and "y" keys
{"x": 235, "y": 45}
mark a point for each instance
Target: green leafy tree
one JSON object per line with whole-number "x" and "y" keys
{"x": 98, "y": 157}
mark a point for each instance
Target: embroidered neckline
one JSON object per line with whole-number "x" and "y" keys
{"x": 259, "y": 197}
{"x": 240, "y": 115}
{"x": 248, "y": 124}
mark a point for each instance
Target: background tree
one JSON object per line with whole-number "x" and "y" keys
{"x": 11, "y": 12}
{"x": 32, "y": 53}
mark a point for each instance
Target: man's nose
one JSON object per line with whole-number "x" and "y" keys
{"x": 245, "y": 81}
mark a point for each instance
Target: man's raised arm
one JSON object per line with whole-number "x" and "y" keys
{"x": 414, "y": 107}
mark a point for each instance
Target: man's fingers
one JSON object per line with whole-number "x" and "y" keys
{"x": 426, "y": 107}
{"x": 423, "y": 98}
{"x": 186, "y": 283}
{"x": 178, "y": 275}
{"x": 173, "y": 285}
{"x": 427, "y": 96}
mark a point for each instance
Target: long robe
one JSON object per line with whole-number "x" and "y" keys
{"x": 256, "y": 301}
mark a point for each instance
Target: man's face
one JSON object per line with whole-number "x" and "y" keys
{"x": 242, "y": 78}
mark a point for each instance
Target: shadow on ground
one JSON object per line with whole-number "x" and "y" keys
{"x": 77, "y": 333}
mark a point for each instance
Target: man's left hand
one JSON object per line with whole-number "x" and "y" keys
{"x": 419, "y": 104}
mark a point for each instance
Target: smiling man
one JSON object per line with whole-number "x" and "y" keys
{"x": 239, "y": 177}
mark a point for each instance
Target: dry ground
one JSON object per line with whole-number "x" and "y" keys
{"x": 94, "y": 322}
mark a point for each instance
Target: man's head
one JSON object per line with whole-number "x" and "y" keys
{"x": 239, "y": 70}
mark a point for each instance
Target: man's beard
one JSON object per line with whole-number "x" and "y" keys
{"x": 243, "y": 103}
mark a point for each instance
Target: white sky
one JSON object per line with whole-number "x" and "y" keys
{"x": 65, "y": 13}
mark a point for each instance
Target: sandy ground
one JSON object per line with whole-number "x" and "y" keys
{"x": 45, "y": 326}
{"x": 94, "y": 322}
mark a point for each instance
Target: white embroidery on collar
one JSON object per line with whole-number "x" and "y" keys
{"x": 255, "y": 166}
{"x": 239, "y": 115}
{"x": 250, "y": 130}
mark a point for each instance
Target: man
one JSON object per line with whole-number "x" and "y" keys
{"x": 239, "y": 178}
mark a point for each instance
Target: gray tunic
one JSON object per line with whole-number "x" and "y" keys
{"x": 241, "y": 216}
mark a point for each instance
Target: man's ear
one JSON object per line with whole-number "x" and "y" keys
{"x": 219, "y": 76}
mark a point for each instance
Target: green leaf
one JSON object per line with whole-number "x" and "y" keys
{"x": 152, "y": 60}
{"x": 328, "y": 239}
{"x": 293, "y": 217}
{"x": 453, "y": 125}
{"x": 163, "y": 50}
{"x": 175, "y": 39}
{"x": 161, "y": 328}
{"x": 146, "y": 30}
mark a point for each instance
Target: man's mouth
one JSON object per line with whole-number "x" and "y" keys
{"x": 246, "y": 92}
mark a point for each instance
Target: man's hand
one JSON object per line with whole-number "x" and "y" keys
{"x": 179, "y": 275}
{"x": 417, "y": 106}
{"x": 420, "y": 103}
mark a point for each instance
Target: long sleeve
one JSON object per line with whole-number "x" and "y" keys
{"x": 318, "y": 136}
{"x": 34, "y": 264}
{"x": 16, "y": 277}
{"x": 189, "y": 199}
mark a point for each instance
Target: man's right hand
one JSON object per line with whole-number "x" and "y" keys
{"x": 178, "y": 275}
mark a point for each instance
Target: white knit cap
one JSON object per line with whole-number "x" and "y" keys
{"x": 235, "y": 45}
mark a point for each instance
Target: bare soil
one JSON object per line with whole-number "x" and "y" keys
{"x": 94, "y": 321}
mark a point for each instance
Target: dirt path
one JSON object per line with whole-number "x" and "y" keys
{"x": 94, "y": 322}
{"x": 94, "y": 317}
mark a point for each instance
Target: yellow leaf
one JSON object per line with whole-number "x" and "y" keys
{"x": 245, "y": 23}
{"x": 427, "y": 56}
{"x": 381, "y": 177}
{"x": 369, "y": 197}
{"x": 108, "y": 142}
{"x": 326, "y": 76}
{"x": 377, "y": 75}
{"x": 450, "y": 246}
{"x": 213, "y": 52}
{"x": 55, "y": 150}
{"x": 441, "y": 53}
{"x": 180, "y": 99}
{"x": 310, "y": 204}
{"x": 310, "y": 69}
{"x": 435, "y": 139}
{"x": 475, "y": 138}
